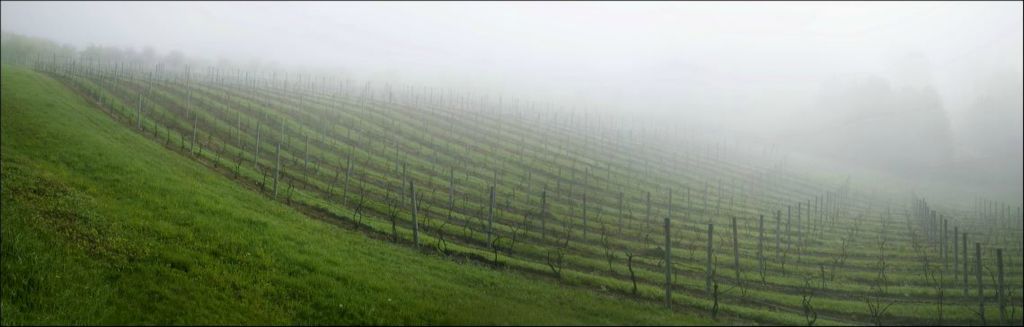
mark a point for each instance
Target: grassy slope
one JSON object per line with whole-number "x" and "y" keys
{"x": 842, "y": 300}
{"x": 102, "y": 226}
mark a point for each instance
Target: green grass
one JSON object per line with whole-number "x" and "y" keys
{"x": 101, "y": 226}
{"x": 586, "y": 265}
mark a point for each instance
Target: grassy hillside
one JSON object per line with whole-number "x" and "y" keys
{"x": 562, "y": 185}
{"x": 101, "y": 226}
{"x": 506, "y": 189}
{"x": 349, "y": 155}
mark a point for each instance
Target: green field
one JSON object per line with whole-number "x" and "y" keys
{"x": 251, "y": 199}
{"x": 102, "y": 226}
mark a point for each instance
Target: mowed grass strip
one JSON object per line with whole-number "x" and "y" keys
{"x": 100, "y": 226}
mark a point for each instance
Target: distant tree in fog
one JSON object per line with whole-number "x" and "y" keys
{"x": 873, "y": 123}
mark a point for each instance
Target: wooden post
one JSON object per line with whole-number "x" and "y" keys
{"x": 668, "y": 262}
{"x": 799, "y": 227}
{"x": 140, "y": 111}
{"x": 981, "y": 286}
{"x": 963, "y": 244}
{"x": 305, "y": 153}
{"x": 711, "y": 233}
{"x": 705, "y": 211}
{"x": 820, "y": 223}
{"x": 800, "y": 232}
{"x": 256, "y": 156}
{"x": 348, "y": 173}
{"x": 451, "y": 189}
{"x": 735, "y": 249}
{"x": 490, "y": 217}
{"x": 648, "y": 209}
{"x": 789, "y": 219}
{"x": 956, "y": 254}
{"x": 760, "y": 242}
{"x": 405, "y": 177}
{"x": 238, "y": 128}
{"x": 277, "y": 168}
{"x": 668, "y": 243}
{"x": 195, "y": 127}
{"x": 415, "y": 222}
{"x": 1000, "y": 297}
{"x": 945, "y": 249}
{"x": 584, "y": 216}
{"x": 778, "y": 238}
{"x": 819, "y": 208}
{"x": 543, "y": 211}
{"x": 621, "y": 196}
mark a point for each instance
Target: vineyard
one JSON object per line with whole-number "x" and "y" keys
{"x": 588, "y": 204}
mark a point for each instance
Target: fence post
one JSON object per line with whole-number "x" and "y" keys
{"x": 490, "y": 217}
{"x": 735, "y": 251}
{"x": 668, "y": 246}
{"x": 778, "y": 238}
{"x": 945, "y": 248}
{"x": 711, "y": 233}
{"x": 963, "y": 245}
{"x": 195, "y": 126}
{"x": 760, "y": 242}
{"x": 981, "y": 288}
{"x": 1000, "y": 297}
{"x": 277, "y": 171}
{"x": 799, "y": 227}
{"x": 648, "y": 212}
{"x": 305, "y": 153}
{"x": 584, "y": 216}
{"x": 348, "y": 173}
{"x": 415, "y": 222}
{"x": 256, "y": 155}
{"x": 668, "y": 262}
{"x": 789, "y": 219}
{"x": 139, "y": 120}
{"x": 543, "y": 211}
{"x": 956, "y": 254}
{"x": 621, "y": 196}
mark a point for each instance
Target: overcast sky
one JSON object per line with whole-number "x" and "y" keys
{"x": 750, "y": 68}
{"x": 733, "y": 55}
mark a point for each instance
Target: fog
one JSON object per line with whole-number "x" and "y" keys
{"x": 926, "y": 92}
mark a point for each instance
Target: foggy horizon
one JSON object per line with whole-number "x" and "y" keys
{"x": 843, "y": 81}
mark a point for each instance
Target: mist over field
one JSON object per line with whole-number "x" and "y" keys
{"x": 495, "y": 163}
{"x": 918, "y": 89}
